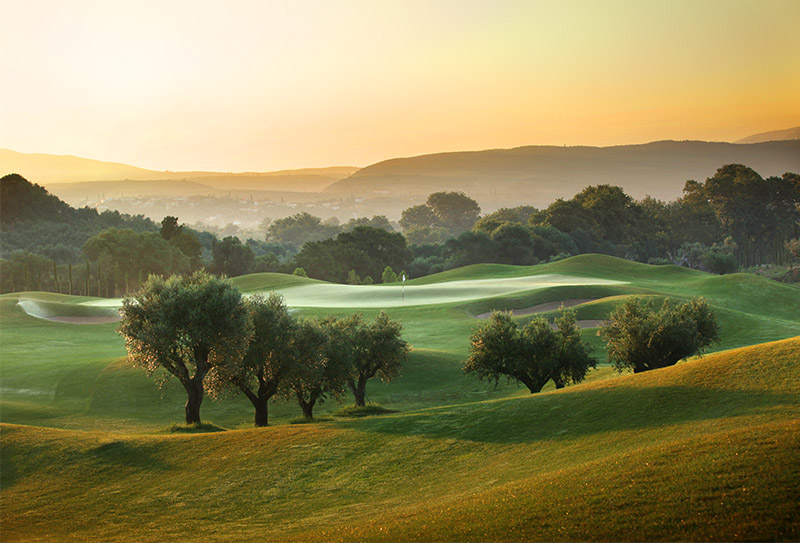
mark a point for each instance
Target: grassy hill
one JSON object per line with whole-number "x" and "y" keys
{"x": 703, "y": 450}
{"x": 706, "y": 449}
{"x": 538, "y": 175}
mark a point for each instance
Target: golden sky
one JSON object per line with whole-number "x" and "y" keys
{"x": 264, "y": 85}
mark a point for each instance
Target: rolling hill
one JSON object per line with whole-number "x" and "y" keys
{"x": 41, "y": 360}
{"x": 539, "y": 174}
{"x": 704, "y": 450}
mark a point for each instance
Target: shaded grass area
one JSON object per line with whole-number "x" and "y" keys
{"x": 194, "y": 428}
{"x": 704, "y": 450}
{"x": 363, "y": 411}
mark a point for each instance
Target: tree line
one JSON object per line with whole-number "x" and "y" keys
{"x": 734, "y": 219}
{"x": 199, "y": 329}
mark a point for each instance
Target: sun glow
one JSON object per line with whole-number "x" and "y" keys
{"x": 270, "y": 85}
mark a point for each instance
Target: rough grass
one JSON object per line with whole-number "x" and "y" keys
{"x": 706, "y": 449}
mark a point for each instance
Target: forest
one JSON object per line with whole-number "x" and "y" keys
{"x": 734, "y": 220}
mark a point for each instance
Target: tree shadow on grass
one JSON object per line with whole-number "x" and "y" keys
{"x": 119, "y": 456}
{"x": 577, "y": 414}
{"x": 122, "y": 454}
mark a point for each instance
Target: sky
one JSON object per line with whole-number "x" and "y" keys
{"x": 266, "y": 85}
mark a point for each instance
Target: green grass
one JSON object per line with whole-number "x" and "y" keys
{"x": 703, "y": 450}
{"x": 659, "y": 456}
{"x": 75, "y": 376}
{"x": 256, "y": 282}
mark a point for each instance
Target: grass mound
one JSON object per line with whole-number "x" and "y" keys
{"x": 363, "y": 411}
{"x": 256, "y": 282}
{"x": 194, "y": 428}
{"x": 309, "y": 420}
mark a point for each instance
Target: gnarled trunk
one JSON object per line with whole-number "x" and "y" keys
{"x": 359, "y": 389}
{"x": 533, "y": 384}
{"x": 194, "y": 393}
{"x": 260, "y": 401}
{"x": 307, "y": 406}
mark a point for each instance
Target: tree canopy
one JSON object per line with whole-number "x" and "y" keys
{"x": 365, "y": 250}
{"x": 642, "y": 337}
{"x": 378, "y": 349}
{"x": 188, "y": 326}
{"x": 272, "y": 355}
{"x": 324, "y": 359}
{"x": 532, "y": 355}
{"x": 130, "y": 257}
{"x": 453, "y": 211}
{"x": 300, "y": 229}
{"x": 231, "y": 257}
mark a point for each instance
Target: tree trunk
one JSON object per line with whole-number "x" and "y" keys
{"x": 559, "y": 382}
{"x": 262, "y": 414}
{"x": 359, "y": 389}
{"x": 194, "y": 393}
{"x": 307, "y": 406}
{"x": 533, "y": 385}
{"x": 260, "y": 402}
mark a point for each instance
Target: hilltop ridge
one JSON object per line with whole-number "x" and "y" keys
{"x": 56, "y": 169}
{"x": 773, "y": 135}
{"x": 540, "y": 174}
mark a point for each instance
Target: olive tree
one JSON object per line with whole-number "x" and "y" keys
{"x": 187, "y": 325}
{"x": 532, "y": 355}
{"x": 642, "y": 337}
{"x": 271, "y": 355}
{"x": 378, "y": 350}
{"x": 322, "y": 364}
{"x": 574, "y": 357}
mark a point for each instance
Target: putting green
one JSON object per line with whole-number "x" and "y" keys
{"x": 327, "y": 295}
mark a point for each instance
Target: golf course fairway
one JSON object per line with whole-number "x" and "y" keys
{"x": 706, "y": 449}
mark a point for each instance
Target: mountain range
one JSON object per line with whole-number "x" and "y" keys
{"x": 50, "y": 170}
{"x": 538, "y": 175}
{"x": 534, "y": 175}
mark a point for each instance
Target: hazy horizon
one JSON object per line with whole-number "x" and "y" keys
{"x": 263, "y": 86}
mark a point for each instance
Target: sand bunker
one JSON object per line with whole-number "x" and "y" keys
{"x": 40, "y": 311}
{"x": 542, "y": 308}
{"x": 588, "y": 323}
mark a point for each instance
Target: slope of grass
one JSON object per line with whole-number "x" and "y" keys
{"x": 270, "y": 281}
{"x": 703, "y": 450}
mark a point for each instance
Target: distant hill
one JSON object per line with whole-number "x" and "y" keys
{"x": 51, "y": 169}
{"x": 44, "y": 168}
{"x": 539, "y": 174}
{"x": 21, "y": 200}
{"x": 774, "y": 135}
